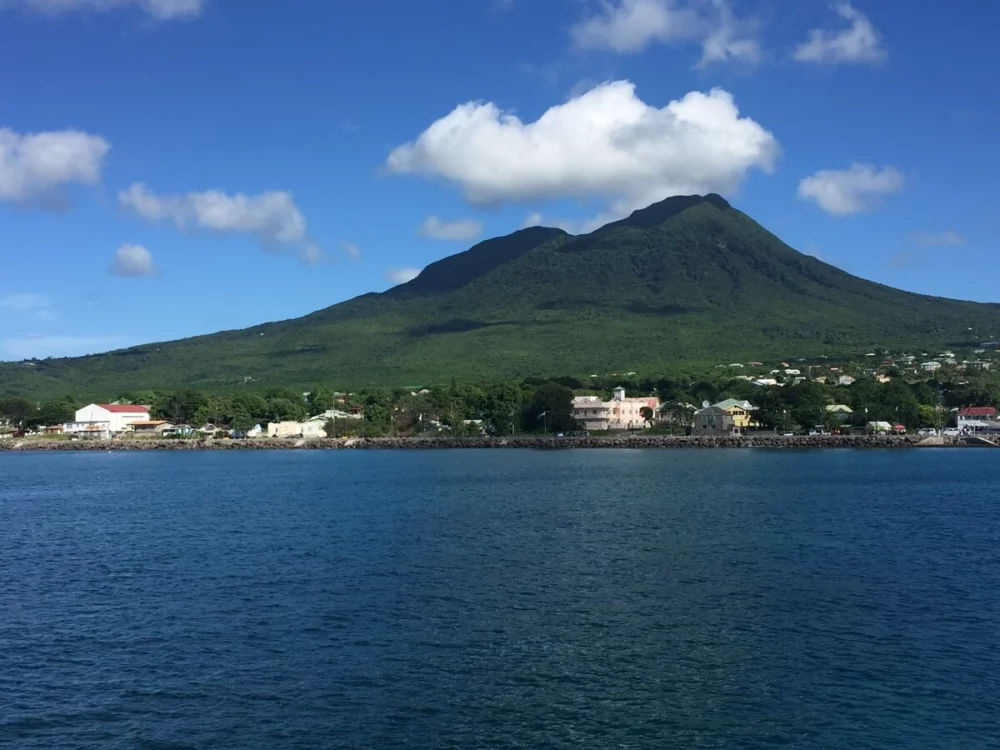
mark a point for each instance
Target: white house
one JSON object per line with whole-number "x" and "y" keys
{"x": 284, "y": 429}
{"x": 620, "y": 413}
{"x": 931, "y": 366}
{"x": 107, "y": 419}
{"x": 976, "y": 418}
{"x": 314, "y": 428}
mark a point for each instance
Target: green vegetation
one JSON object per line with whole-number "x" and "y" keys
{"x": 684, "y": 284}
{"x": 537, "y": 405}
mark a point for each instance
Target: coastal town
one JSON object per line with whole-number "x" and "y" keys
{"x": 877, "y": 393}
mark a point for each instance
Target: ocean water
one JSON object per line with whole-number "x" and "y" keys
{"x": 500, "y": 599}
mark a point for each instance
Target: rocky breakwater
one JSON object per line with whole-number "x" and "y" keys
{"x": 537, "y": 442}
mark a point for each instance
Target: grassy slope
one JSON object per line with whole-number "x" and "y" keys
{"x": 683, "y": 282}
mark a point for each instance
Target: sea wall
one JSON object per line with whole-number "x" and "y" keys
{"x": 538, "y": 442}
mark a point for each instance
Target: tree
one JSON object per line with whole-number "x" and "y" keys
{"x": 16, "y": 410}
{"x": 180, "y": 407}
{"x": 378, "y": 411}
{"x": 285, "y": 410}
{"x": 251, "y": 405}
{"x": 647, "y": 413}
{"x": 502, "y": 408}
{"x": 287, "y": 393}
{"x": 53, "y": 413}
{"x": 321, "y": 399}
{"x": 551, "y": 408}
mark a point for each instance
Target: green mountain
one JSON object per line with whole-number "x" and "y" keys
{"x": 687, "y": 281}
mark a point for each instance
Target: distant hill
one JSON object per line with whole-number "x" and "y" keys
{"x": 689, "y": 280}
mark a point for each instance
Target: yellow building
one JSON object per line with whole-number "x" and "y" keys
{"x": 740, "y": 411}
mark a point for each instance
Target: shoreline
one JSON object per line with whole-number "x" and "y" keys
{"x": 624, "y": 442}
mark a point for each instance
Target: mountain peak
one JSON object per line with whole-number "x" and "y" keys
{"x": 659, "y": 212}
{"x": 455, "y": 271}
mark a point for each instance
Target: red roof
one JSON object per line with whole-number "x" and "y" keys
{"x": 978, "y": 411}
{"x": 125, "y": 408}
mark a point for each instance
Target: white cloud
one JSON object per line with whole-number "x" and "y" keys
{"x": 35, "y": 346}
{"x": 353, "y": 251}
{"x": 938, "y": 239}
{"x": 534, "y": 219}
{"x": 272, "y": 217}
{"x": 133, "y": 260}
{"x": 29, "y": 305}
{"x": 859, "y": 43}
{"x": 731, "y": 40}
{"x": 630, "y": 25}
{"x": 458, "y": 230}
{"x": 606, "y": 143}
{"x": 311, "y": 254}
{"x": 162, "y": 10}
{"x": 850, "y": 191}
{"x": 401, "y": 275}
{"x": 35, "y": 164}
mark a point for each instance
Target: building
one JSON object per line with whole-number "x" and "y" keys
{"x": 977, "y": 418}
{"x": 106, "y": 418}
{"x": 149, "y": 427}
{"x": 882, "y": 427}
{"x": 930, "y": 366}
{"x": 339, "y": 414}
{"x": 846, "y": 380}
{"x": 676, "y": 412}
{"x": 284, "y": 429}
{"x": 843, "y": 412}
{"x": 978, "y": 365}
{"x": 711, "y": 420}
{"x": 620, "y": 413}
{"x": 739, "y": 411}
{"x": 314, "y": 428}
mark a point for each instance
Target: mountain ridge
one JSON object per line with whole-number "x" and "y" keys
{"x": 688, "y": 281}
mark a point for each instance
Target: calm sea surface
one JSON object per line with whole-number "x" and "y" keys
{"x": 500, "y": 599}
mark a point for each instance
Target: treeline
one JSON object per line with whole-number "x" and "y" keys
{"x": 534, "y": 405}
{"x": 920, "y": 403}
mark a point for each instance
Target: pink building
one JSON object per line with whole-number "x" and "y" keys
{"x": 620, "y": 413}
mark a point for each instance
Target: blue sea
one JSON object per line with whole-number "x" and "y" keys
{"x": 500, "y": 599}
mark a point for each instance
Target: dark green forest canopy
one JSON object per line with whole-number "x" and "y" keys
{"x": 686, "y": 283}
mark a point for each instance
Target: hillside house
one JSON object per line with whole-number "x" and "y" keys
{"x": 978, "y": 364}
{"x": 930, "y": 366}
{"x": 620, "y": 413}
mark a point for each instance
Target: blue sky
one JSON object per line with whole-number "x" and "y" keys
{"x": 175, "y": 167}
